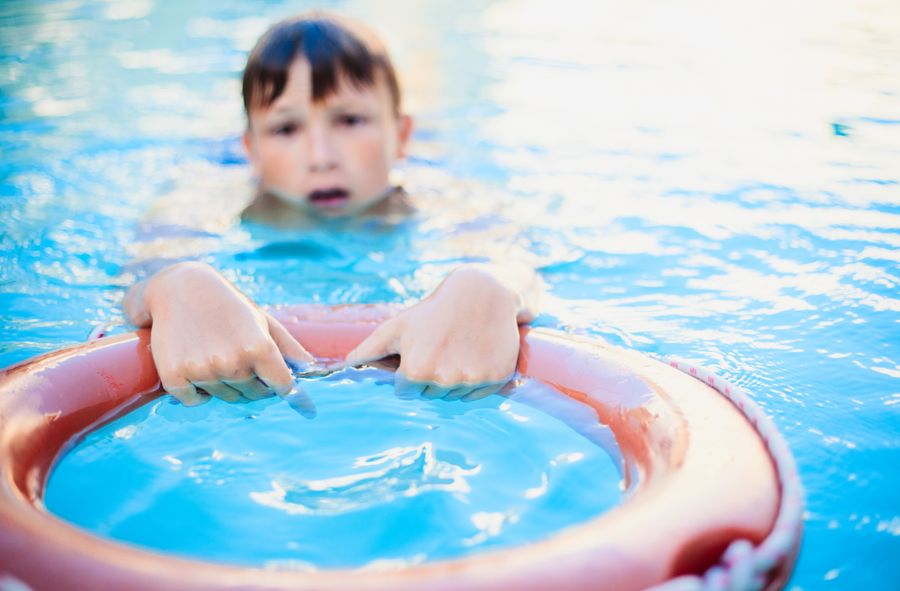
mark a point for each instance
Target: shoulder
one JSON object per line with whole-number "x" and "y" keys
{"x": 268, "y": 209}
{"x": 396, "y": 206}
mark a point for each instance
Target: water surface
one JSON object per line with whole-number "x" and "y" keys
{"x": 717, "y": 181}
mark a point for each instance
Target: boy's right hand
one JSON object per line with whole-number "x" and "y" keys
{"x": 207, "y": 338}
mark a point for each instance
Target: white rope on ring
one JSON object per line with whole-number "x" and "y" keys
{"x": 743, "y": 566}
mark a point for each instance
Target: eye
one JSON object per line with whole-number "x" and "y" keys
{"x": 351, "y": 120}
{"x": 285, "y": 129}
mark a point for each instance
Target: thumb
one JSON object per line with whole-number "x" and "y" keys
{"x": 286, "y": 343}
{"x": 381, "y": 343}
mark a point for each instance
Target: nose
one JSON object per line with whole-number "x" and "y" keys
{"x": 322, "y": 153}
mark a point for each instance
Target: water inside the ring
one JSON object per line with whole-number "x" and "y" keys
{"x": 372, "y": 481}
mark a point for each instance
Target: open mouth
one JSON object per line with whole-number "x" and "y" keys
{"x": 329, "y": 198}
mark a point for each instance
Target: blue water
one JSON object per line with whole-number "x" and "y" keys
{"x": 714, "y": 181}
{"x": 419, "y": 480}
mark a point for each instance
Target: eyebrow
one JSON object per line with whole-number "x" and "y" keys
{"x": 329, "y": 106}
{"x": 348, "y": 106}
{"x": 286, "y": 109}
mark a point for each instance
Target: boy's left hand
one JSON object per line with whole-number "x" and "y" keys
{"x": 461, "y": 342}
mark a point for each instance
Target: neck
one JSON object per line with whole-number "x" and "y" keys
{"x": 268, "y": 207}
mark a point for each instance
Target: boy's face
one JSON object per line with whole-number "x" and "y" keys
{"x": 331, "y": 157}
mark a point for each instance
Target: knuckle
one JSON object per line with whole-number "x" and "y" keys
{"x": 465, "y": 375}
{"x": 232, "y": 367}
{"x": 196, "y": 370}
{"x": 240, "y": 374}
{"x": 442, "y": 377}
{"x": 257, "y": 350}
{"x": 174, "y": 372}
{"x": 418, "y": 375}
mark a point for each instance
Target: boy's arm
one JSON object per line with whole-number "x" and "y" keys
{"x": 463, "y": 339}
{"x": 205, "y": 334}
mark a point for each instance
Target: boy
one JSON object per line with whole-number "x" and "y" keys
{"x": 325, "y": 125}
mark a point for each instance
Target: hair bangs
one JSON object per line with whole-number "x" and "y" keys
{"x": 337, "y": 52}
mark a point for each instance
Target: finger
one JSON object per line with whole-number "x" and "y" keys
{"x": 250, "y": 388}
{"x": 482, "y": 392}
{"x": 457, "y": 393}
{"x": 286, "y": 343}
{"x": 219, "y": 390}
{"x": 185, "y": 393}
{"x": 406, "y": 389}
{"x": 381, "y": 343}
{"x": 301, "y": 402}
{"x": 435, "y": 391}
{"x": 272, "y": 370}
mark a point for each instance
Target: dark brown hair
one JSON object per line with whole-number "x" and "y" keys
{"x": 335, "y": 48}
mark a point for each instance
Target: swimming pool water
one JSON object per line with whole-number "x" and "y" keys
{"x": 717, "y": 181}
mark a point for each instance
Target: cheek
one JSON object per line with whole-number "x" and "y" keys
{"x": 375, "y": 154}
{"x": 274, "y": 162}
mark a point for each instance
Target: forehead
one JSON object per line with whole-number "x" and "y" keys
{"x": 299, "y": 89}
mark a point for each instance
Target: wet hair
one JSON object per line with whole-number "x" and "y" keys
{"x": 336, "y": 49}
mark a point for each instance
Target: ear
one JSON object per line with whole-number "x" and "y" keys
{"x": 404, "y": 132}
{"x": 250, "y": 149}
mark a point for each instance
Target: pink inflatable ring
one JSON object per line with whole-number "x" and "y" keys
{"x": 713, "y": 501}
